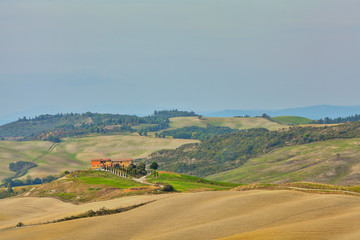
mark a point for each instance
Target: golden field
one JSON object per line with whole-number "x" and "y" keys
{"x": 257, "y": 214}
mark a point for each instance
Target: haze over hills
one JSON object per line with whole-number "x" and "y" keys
{"x": 265, "y": 144}
{"x": 312, "y": 112}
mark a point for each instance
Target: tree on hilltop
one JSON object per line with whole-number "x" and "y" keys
{"x": 154, "y": 165}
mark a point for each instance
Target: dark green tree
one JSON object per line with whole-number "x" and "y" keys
{"x": 154, "y": 165}
{"x": 9, "y": 188}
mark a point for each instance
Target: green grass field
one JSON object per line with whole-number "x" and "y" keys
{"x": 291, "y": 120}
{"x": 91, "y": 185}
{"x": 333, "y": 162}
{"x": 186, "y": 183}
{"x": 103, "y": 178}
{"x": 76, "y": 153}
{"x": 86, "y": 186}
{"x": 234, "y": 122}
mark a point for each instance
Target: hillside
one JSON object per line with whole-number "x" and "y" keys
{"x": 11, "y": 152}
{"x": 291, "y": 120}
{"x": 92, "y": 185}
{"x": 86, "y": 186}
{"x": 333, "y": 161}
{"x": 186, "y": 183}
{"x": 205, "y": 215}
{"x": 231, "y": 151}
{"x": 53, "y": 127}
{"x": 76, "y": 152}
{"x": 231, "y": 122}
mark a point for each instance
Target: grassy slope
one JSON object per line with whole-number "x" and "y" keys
{"x": 185, "y": 183}
{"x": 85, "y": 186}
{"x": 291, "y": 120}
{"x": 76, "y": 153}
{"x": 334, "y": 162}
{"x": 19, "y": 151}
{"x": 235, "y": 123}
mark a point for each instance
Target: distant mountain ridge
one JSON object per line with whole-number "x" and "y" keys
{"x": 312, "y": 112}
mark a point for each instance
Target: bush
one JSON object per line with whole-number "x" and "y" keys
{"x": 167, "y": 188}
{"x": 20, "y": 224}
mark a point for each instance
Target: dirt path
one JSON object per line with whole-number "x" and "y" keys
{"x": 143, "y": 178}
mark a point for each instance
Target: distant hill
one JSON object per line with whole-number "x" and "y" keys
{"x": 202, "y": 128}
{"x": 53, "y": 127}
{"x": 312, "y": 112}
{"x": 76, "y": 152}
{"x": 239, "y": 123}
{"x": 221, "y": 153}
{"x": 291, "y": 120}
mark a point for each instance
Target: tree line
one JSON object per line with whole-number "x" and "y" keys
{"x": 328, "y": 120}
{"x": 194, "y": 132}
{"x": 54, "y": 127}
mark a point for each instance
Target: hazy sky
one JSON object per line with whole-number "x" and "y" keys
{"x": 136, "y": 56}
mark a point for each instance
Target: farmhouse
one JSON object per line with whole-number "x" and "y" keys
{"x": 101, "y": 163}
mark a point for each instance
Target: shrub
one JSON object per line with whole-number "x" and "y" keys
{"x": 167, "y": 188}
{"x": 20, "y": 224}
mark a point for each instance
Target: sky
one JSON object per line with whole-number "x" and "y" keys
{"x": 133, "y": 56}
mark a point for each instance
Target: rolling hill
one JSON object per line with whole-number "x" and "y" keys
{"x": 258, "y": 214}
{"x": 291, "y": 120}
{"x": 84, "y": 186}
{"x": 230, "y": 151}
{"x": 76, "y": 152}
{"x": 231, "y": 122}
{"x": 11, "y": 152}
{"x": 333, "y": 161}
{"x": 186, "y": 183}
{"x": 52, "y": 127}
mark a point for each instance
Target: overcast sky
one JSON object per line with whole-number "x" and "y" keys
{"x": 136, "y": 56}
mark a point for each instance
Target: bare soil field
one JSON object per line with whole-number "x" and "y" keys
{"x": 258, "y": 214}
